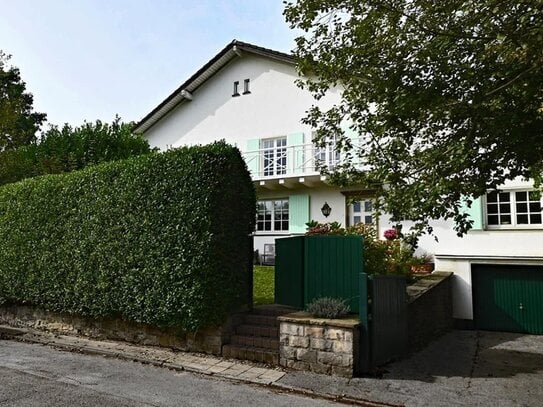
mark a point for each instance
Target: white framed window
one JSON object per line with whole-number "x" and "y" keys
{"x": 272, "y": 215}
{"x": 361, "y": 212}
{"x": 327, "y": 156}
{"x": 508, "y": 209}
{"x": 274, "y": 156}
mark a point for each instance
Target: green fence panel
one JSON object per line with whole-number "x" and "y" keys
{"x": 289, "y": 271}
{"x": 388, "y": 326}
{"x": 332, "y": 268}
{"x": 364, "y": 356}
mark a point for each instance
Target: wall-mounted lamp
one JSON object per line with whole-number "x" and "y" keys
{"x": 326, "y": 210}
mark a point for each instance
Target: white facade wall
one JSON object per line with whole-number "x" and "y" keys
{"x": 274, "y": 107}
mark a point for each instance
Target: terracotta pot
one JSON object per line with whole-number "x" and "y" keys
{"x": 426, "y": 268}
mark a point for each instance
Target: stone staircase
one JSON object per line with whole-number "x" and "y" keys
{"x": 256, "y": 338}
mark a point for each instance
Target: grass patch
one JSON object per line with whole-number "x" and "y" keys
{"x": 263, "y": 285}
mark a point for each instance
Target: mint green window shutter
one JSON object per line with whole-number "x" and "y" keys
{"x": 475, "y": 213}
{"x": 298, "y": 213}
{"x": 295, "y": 155}
{"x": 252, "y": 156}
{"x": 353, "y": 136}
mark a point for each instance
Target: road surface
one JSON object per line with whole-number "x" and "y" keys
{"x": 37, "y": 375}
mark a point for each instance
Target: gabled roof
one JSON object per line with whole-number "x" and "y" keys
{"x": 232, "y": 50}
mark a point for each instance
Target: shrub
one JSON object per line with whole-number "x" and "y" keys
{"x": 380, "y": 256}
{"x": 160, "y": 239}
{"x": 328, "y": 307}
{"x": 67, "y": 149}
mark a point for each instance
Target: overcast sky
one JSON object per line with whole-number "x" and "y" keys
{"x": 88, "y": 60}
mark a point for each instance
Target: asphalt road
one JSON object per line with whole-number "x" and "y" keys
{"x": 36, "y": 375}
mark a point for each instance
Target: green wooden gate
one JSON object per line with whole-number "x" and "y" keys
{"x": 308, "y": 267}
{"x": 508, "y": 298}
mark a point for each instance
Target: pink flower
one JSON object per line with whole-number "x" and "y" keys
{"x": 391, "y": 234}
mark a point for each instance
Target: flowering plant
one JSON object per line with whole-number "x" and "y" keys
{"x": 391, "y": 234}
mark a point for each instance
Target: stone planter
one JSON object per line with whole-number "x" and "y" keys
{"x": 329, "y": 346}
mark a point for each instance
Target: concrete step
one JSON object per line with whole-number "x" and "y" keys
{"x": 272, "y": 310}
{"x": 251, "y": 353}
{"x": 265, "y": 320}
{"x": 256, "y": 341}
{"x": 258, "y": 330}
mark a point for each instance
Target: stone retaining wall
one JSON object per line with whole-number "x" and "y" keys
{"x": 208, "y": 341}
{"x": 429, "y": 309}
{"x": 329, "y": 346}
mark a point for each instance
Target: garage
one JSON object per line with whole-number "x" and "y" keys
{"x": 508, "y": 298}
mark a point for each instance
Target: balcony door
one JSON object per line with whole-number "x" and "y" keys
{"x": 274, "y": 155}
{"x": 328, "y": 156}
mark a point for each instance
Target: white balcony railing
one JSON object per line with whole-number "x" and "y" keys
{"x": 290, "y": 161}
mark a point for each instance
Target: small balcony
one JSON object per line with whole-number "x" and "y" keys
{"x": 295, "y": 161}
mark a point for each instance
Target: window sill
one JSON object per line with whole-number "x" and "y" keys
{"x": 271, "y": 233}
{"x": 513, "y": 228}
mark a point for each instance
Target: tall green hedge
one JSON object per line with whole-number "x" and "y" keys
{"x": 160, "y": 239}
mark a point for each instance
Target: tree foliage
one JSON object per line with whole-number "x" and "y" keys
{"x": 446, "y": 95}
{"x": 72, "y": 148}
{"x": 18, "y": 121}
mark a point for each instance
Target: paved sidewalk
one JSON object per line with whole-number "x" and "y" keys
{"x": 191, "y": 362}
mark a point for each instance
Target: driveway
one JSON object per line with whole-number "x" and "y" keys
{"x": 463, "y": 368}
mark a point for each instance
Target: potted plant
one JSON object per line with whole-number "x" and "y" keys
{"x": 422, "y": 264}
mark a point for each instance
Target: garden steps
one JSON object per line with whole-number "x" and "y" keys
{"x": 256, "y": 338}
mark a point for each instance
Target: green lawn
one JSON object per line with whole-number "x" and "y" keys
{"x": 263, "y": 285}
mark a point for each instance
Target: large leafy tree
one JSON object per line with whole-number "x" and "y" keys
{"x": 67, "y": 148}
{"x": 18, "y": 121}
{"x": 446, "y": 95}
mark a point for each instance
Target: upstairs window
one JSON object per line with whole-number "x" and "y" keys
{"x": 246, "y": 89}
{"x": 513, "y": 209}
{"x": 272, "y": 215}
{"x": 236, "y": 89}
{"x": 274, "y": 156}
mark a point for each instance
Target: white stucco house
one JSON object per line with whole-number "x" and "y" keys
{"x": 247, "y": 95}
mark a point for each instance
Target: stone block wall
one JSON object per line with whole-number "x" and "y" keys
{"x": 429, "y": 309}
{"x": 208, "y": 341}
{"x": 329, "y": 346}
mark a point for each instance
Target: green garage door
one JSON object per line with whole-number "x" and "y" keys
{"x": 508, "y": 298}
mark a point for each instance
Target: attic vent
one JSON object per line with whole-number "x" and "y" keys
{"x": 236, "y": 91}
{"x": 246, "y": 87}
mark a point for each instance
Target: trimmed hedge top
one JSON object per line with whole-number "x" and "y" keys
{"x": 160, "y": 239}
